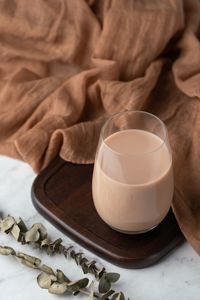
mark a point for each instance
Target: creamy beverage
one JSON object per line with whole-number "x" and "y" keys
{"x": 133, "y": 180}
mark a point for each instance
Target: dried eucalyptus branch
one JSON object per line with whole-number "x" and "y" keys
{"x": 37, "y": 236}
{"x": 55, "y": 282}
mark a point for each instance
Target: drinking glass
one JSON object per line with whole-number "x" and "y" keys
{"x": 132, "y": 182}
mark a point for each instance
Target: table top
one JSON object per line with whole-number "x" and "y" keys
{"x": 177, "y": 276}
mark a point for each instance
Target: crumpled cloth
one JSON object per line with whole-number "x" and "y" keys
{"x": 66, "y": 65}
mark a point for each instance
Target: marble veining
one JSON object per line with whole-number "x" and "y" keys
{"x": 176, "y": 277}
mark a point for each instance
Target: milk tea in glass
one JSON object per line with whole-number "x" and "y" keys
{"x": 133, "y": 178}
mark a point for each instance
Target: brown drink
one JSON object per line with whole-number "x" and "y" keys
{"x": 133, "y": 180}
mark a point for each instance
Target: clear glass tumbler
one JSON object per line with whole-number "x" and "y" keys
{"x": 133, "y": 178}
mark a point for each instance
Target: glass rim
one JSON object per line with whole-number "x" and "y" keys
{"x": 138, "y": 112}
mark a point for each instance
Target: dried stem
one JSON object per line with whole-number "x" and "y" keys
{"x": 37, "y": 236}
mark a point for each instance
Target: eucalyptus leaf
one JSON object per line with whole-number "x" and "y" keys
{"x": 83, "y": 264}
{"x": 91, "y": 267}
{"x": 78, "y": 257}
{"x": 57, "y": 288}
{"x": 83, "y": 260}
{"x": 112, "y": 277}
{"x": 45, "y": 243}
{"x": 16, "y": 232}
{"x": 55, "y": 245}
{"x": 50, "y": 250}
{"x": 100, "y": 273}
{"x": 61, "y": 277}
{"x": 7, "y": 250}
{"x": 26, "y": 263}
{"x": 104, "y": 285}
{"x": 42, "y": 230}
{"x": 92, "y": 270}
{"x": 91, "y": 263}
{"x": 72, "y": 254}
{"x": 85, "y": 268}
{"x": 47, "y": 269}
{"x": 7, "y": 223}
{"x": 22, "y": 225}
{"x": 32, "y": 235}
{"x": 77, "y": 285}
{"x": 45, "y": 280}
{"x": 31, "y": 259}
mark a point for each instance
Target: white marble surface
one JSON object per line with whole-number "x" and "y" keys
{"x": 175, "y": 277}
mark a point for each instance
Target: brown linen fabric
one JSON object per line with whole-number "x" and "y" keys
{"x": 66, "y": 65}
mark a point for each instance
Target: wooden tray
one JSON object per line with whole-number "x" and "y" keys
{"x": 62, "y": 194}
